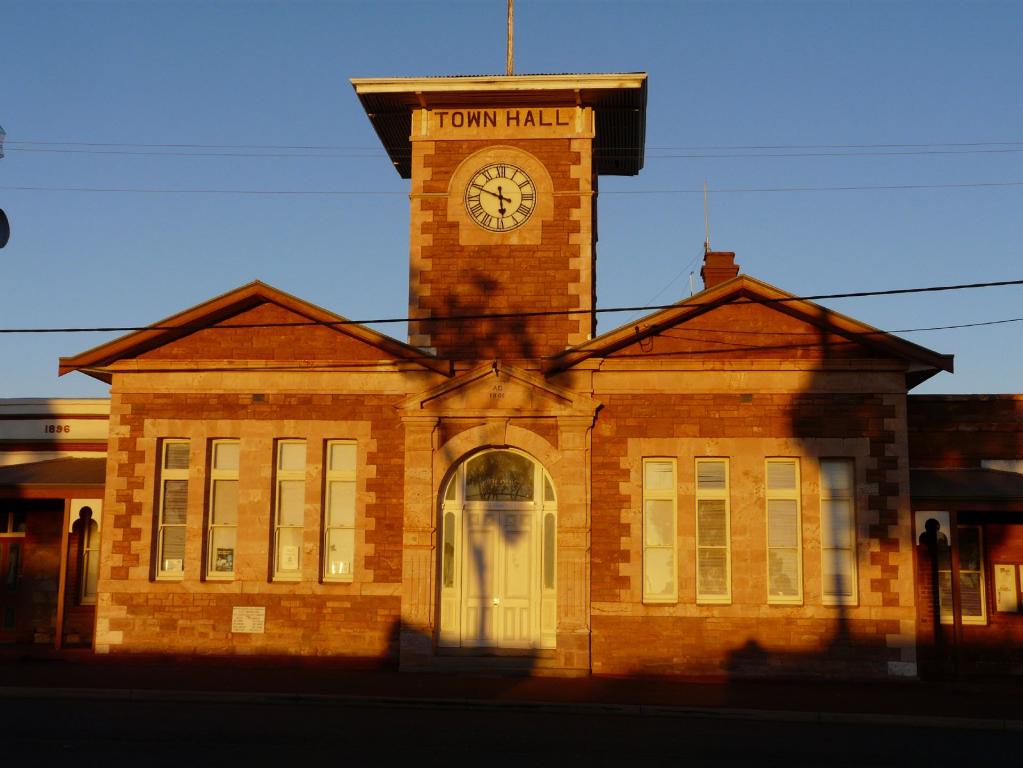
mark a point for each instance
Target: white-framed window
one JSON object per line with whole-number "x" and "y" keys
{"x": 972, "y": 595}
{"x": 660, "y": 584}
{"x": 289, "y": 514}
{"x": 339, "y": 511}
{"x": 222, "y": 520}
{"x": 713, "y": 550}
{"x": 170, "y": 534}
{"x": 838, "y": 532}
{"x": 784, "y": 537}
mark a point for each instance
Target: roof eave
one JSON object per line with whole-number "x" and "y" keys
{"x": 924, "y": 362}
{"x": 94, "y": 362}
{"x": 415, "y": 89}
{"x": 618, "y": 100}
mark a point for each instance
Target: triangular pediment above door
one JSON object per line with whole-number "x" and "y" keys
{"x": 495, "y": 389}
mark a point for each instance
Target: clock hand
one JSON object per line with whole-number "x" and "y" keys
{"x": 499, "y": 195}
{"x": 496, "y": 194}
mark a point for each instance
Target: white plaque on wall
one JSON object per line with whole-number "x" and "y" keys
{"x": 248, "y": 619}
{"x": 1006, "y": 597}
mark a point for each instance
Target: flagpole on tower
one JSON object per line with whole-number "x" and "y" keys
{"x": 511, "y": 25}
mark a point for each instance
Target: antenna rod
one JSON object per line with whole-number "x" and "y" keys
{"x": 706, "y": 218}
{"x": 511, "y": 35}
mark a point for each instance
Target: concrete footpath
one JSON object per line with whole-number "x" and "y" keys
{"x": 991, "y": 704}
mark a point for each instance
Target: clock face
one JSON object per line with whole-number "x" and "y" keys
{"x": 500, "y": 197}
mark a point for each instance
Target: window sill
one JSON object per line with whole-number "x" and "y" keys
{"x": 287, "y": 578}
{"x": 714, "y": 600}
{"x": 170, "y": 577}
{"x": 973, "y": 621}
{"x": 660, "y": 601}
{"x": 220, "y": 577}
{"x": 840, "y": 602}
{"x": 338, "y": 579}
{"x": 785, "y": 601}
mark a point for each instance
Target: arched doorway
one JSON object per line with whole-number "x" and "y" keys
{"x": 497, "y": 554}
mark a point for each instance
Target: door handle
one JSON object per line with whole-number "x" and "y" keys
{"x": 496, "y": 601}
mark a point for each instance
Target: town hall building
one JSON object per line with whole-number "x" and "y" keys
{"x": 737, "y": 484}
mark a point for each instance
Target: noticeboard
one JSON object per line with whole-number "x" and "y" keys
{"x": 248, "y": 620}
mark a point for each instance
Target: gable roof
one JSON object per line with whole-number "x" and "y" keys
{"x": 923, "y": 362}
{"x": 223, "y": 307}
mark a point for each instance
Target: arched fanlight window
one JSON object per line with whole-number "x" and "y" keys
{"x": 500, "y": 476}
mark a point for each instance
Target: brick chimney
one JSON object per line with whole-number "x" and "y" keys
{"x": 718, "y": 266}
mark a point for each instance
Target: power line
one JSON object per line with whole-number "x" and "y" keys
{"x": 340, "y": 192}
{"x": 556, "y": 313}
{"x": 175, "y": 153}
{"x": 738, "y": 332}
{"x": 611, "y": 152}
{"x": 836, "y": 153}
{"x": 205, "y": 191}
{"x": 843, "y": 188}
{"x": 715, "y": 147}
{"x": 200, "y": 146}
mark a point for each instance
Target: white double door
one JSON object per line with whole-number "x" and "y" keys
{"x": 500, "y": 578}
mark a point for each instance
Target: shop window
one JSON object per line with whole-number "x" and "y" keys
{"x": 838, "y": 532}
{"x": 784, "y": 539}
{"x": 339, "y": 512}
{"x": 971, "y": 577}
{"x": 713, "y": 551}
{"x": 173, "y": 506}
{"x": 222, "y": 517}
{"x": 12, "y": 522}
{"x": 289, "y": 515}
{"x": 659, "y": 524}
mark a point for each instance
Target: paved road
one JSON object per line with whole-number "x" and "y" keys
{"x": 187, "y": 732}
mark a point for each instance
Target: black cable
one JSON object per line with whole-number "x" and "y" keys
{"x": 552, "y": 313}
{"x": 603, "y": 193}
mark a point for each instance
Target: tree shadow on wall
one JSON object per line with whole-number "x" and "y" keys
{"x": 476, "y": 321}
{"x": 851, "y": 552}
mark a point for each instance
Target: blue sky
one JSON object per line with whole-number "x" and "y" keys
{"x": 794, "y": 76}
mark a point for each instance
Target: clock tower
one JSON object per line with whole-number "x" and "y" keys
{"x": 503, "y": 176}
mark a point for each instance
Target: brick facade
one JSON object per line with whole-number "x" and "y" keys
{"x": 140, "y": 613}
{"x": 742, "y": 372}
{"x": 748, "y": 634}
{"x": 454, "y": 274}
{"x": 962, "y": 430}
